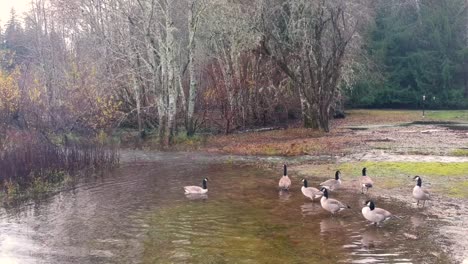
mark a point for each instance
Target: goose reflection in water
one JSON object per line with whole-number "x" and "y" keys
{"x": 284, "y": 195}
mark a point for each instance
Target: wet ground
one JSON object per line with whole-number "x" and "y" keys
{"x": 415, "y": 138}
{"x": 139, "y": 214}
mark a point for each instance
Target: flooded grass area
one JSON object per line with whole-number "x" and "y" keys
{"x": 245, "y": 220}
{"x": 138, "y": 213}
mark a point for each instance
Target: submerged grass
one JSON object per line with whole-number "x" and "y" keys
{"x": 42, "y": 184}
{"x": 242, "y": 233}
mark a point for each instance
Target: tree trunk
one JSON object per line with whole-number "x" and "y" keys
{"x": 171, "y": 68}
{"x": 324, "y": 118}
{"x": 136, "y": 90}
{"x": 190, "y": 122}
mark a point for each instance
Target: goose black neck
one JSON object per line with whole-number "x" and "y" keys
{"x": 305, "y": 183}
{"x": 285, "y": 170}
{"x": 337, "y": 175}
{"x": 325, "y": 193}
{"x": 419, "y": 183}
{"x": 204, "y": 184}
{"x": 364, "y": 172}
{"x": 371, "y": 205}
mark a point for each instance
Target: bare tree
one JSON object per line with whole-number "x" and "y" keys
{"x": 310, "y": 40}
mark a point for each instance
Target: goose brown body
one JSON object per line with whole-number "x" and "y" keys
{"x": 365, "y": 181}
{"x": 374, "y": 214}
{"x": 332, "y": 184}
{"x": 331, "y": 205}
{"x": 310, "y": 192}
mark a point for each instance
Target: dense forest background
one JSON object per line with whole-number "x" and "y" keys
{"x": 86, "y": 67}
{"x": 415, "y": 50}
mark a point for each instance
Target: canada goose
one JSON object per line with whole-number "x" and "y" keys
{"x": 333, "y": 184}
{"x": 366, "y": 181}
{"x": 419, "y": 193}
{"x": 285, "y": 182}
{"x": 374, "y": 214}
{"x": 331, "y": 205}
{"x": 197, "y": 189}
{"x": 310, "y": 192}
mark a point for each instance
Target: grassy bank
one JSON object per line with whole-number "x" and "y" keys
{"x": 450, "y": 179}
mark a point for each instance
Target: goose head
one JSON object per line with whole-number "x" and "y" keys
{"x": 364, "y": 170}
{"x": 204, "y": 183}
{"x": 370, "y": 204}
{"x": 337, "y": 175}
{"x": 325, "y": 192}
{"x": 418, "y": 180}
{"x": 304, "y": 181}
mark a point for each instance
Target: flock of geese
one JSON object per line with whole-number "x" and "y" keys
{"x": 369, "y": 211}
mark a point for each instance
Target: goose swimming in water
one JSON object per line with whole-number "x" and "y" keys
{"x": 197, "y": 189}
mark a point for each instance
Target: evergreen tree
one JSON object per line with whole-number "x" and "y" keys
{"x": 418, "y": 51}
{"x": 14, "y": 48}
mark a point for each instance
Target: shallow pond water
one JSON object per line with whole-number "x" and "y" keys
{"x": 139, "y": 214}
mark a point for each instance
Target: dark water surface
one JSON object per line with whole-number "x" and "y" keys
{"x": 139, "y": 214}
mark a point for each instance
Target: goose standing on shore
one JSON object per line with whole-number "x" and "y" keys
{"x": 331, "y": 205}
{"x": 419, "y": 193}
{"x": 374, "y": 214}
{"x": 284, "y": 182}
{"x": 310, "y": 192}
{"x": 333, "y": 184}
{"x": 197, "y": 189}
{"x": 366, "y": 181}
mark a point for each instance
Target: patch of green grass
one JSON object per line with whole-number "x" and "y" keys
{"x": 456, "y": 115}
{"x": 448, "y": 178}
{"x": 191, "y": 142}
{"x": 460, "y": 152}
{"x": 408, "y": 168}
